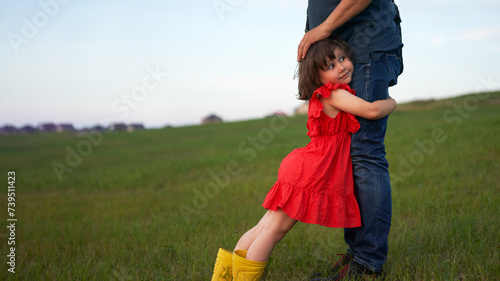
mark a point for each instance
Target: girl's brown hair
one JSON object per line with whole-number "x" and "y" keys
{"x": 315, "y": 60}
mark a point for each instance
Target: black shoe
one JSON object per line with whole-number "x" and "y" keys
{"x": 344, "y": 260}
{"x": 353, "y": 272}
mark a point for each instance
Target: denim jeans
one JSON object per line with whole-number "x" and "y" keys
{"x": 369, "y": 243}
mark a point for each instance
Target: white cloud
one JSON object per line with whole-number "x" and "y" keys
{"x": 475, "y": 35}
{"x": 480, "y": 34}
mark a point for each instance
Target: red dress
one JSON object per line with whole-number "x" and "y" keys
{"x": 315, "y": 183}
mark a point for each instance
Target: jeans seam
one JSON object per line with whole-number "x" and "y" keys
{"x": 365, "y": 94}
{"x": 390, "y": 69}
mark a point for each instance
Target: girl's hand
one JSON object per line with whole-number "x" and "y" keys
{"x": 311, "y": 37}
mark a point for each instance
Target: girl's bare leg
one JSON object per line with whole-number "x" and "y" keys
{"x": 247, "y": 239}
{"x": 271, "y": 229}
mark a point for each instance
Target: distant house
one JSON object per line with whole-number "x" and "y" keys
{"x": 277, "y": 113}
{"x": 65, "y": 128}
{"x": 8, "y": 130}
{"x": 135, "y": 127}
{"x": 97, "y": 128}
{"x": 211, "y": 119}
{"x": 302, "y": 110}
{"x": 27, "y": 129}
{"x": 47, "y": 127}
{"x": 118, "y": 127}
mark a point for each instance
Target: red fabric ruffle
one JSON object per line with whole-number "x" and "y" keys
{"x": 330, "y": 210}
{"x": 316, "y": 107}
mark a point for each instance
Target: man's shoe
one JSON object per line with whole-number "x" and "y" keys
{"x": 354, "y": 272}
{"x": 345, "y": 259}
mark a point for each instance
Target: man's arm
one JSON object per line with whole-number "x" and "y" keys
{"x": 346, "y": 10}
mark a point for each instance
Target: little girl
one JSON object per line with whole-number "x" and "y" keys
{"x": 315, "y": 183}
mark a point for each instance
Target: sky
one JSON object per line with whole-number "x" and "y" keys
{"x": 175, "y": 62}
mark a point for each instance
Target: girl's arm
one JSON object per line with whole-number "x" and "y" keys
{"x": 343, "y": 100}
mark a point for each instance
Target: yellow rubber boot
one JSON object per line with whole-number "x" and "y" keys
{"x": 223, "y": 266}
{"x": 246, "y": 270}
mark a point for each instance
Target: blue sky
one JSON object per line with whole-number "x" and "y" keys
{"x": 175, "y": 62}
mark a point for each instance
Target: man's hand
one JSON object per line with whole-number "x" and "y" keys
{"x": 312, "y": 36}
{"x": 345, "y": 11}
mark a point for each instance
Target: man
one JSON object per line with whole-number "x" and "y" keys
{"x": 372, "y": 28}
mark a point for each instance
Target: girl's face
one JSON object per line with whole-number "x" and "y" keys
{"x": 338, "y": 70}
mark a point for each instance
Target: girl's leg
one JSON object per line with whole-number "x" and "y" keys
{"x": 275, "y": 226}
{"x": 247, "y": 239}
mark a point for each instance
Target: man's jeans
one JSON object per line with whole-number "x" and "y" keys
{"x": 369, "y": 243}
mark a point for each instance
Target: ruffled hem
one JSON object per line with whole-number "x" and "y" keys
{"x": 316, "y": 107}
{"x": 328, "y": 210}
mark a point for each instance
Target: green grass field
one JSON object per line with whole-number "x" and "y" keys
{"x": 157, "y": 204}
